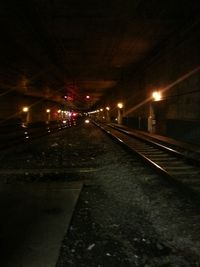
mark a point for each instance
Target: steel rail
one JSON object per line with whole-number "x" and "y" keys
{"x": 158, "y": 145}
{"x": 176, "y": 168}
{"x": 27, "y": 133}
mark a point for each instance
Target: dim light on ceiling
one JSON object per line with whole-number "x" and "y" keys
{"x": 156, "y": 96}
{"x": 48, "y": 110}
{"x": 59, "y": 111}
{"x": 107, "y": 108}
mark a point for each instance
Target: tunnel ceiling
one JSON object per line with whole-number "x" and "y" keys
{"x": 52, "y": 48}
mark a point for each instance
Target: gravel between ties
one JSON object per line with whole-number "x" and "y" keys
{"x": 129, "y": 216}
{"x": 126, "y": 215}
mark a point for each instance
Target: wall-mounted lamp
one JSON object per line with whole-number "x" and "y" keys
{"x": 156, "y": 96}
{"x": 48, "y": 115}
{"x": 120, "y": 111}
{"x": 26, "y": 116}
{"x": 120, "y": 105}
{"x": 25, "y": 109}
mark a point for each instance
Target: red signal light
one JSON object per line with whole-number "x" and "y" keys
{"x": 68, "y": 98}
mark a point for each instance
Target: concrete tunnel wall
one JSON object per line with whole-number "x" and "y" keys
{"x": 12, "y": 103}
{"x": 176, "y": 115}
{"x": 177, "y": 67}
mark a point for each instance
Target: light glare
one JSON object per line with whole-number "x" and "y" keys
{"x": 25, "y": 109}
{"x": 156, "y": 96}
{"x": 120, "y": 105}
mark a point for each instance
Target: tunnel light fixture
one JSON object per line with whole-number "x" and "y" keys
{"x": 25, "y": 109}
{"x": 107, "y": 108}
{"x": 48, "y": 110}
{"x": 59, "y": 111}
{"x": 101, "y": 109}
{"x": 156, "y": 96}
{"x": 120, "y": 105}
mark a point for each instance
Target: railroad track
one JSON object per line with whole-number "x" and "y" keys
{"x": 165, "y": 160}
{"x": 19, "y": 134}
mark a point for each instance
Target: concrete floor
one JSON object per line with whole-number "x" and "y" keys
{"x": 34, "y": 219}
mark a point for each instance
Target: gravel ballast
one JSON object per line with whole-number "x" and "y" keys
{"x": 126, "y": 214}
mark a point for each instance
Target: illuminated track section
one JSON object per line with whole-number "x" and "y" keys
{"x": 163, "y": 159}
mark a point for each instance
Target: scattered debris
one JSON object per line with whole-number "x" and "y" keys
{"x": 91, "y": 246}
{"x": 108, "y": 254}
{"x": 54, "y": 145}
{"x": 159, "y": 246}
